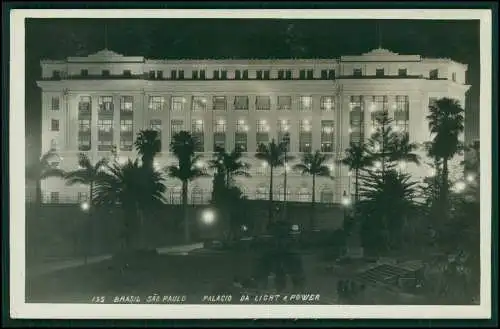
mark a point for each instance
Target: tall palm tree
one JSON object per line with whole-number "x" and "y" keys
{"x": 135, "y": 189}
{"x": 314, "y": 164}
{"x": 274, "y": 155}
{"x": 148, "y": 145}
{"x": 40, "y": 170}
{"x": 230, "y": 165}
{"x": 446, "y": 123}
{"x": 87, "y": 174}
{"x": 356, "y": 159}
{"x": 183, "y": 146}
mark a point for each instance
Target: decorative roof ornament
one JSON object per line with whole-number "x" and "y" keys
{"x": 380, "y": 52}
{"x": 105, "y": 53}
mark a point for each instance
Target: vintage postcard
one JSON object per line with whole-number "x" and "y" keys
{"x": 250, "y": 164}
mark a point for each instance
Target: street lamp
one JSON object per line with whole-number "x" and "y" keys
{"x": 460, "y": 187}
{"x": 208, "y": 216}
{"x": 346, "y": 201}
{"x": 85, "y": 206}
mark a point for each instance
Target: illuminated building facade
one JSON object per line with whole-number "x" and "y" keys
{"x": 100, "y": 102}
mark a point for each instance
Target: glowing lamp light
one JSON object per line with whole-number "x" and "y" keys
{"x": 245, "y": 128}
{"x": 295, "y": 227}
{"x": 350, "y": 130}
{"x": 346, "y": 201}
{"x": 376, "y": 148}
{"x": 396, "y": 129}
{"x": 208, "y": 217}
{"x": 349, "y": 173}
{"x": 460, "y": 187}
{"x": 432, "y": 172}
{"x": 402, "y": 165}
{"x": 220, "y": 122}
{"x": 378, "y": 164}
{"x": 244, "y": 228}
{"x": 264, "y": 164}
{"x": 203, "y": 100}
{"x": 373, "y": 130}
{"x": 284, "y": 122}
{"x": 372, "y": 108}
{"x": 241, "y": 122}
{"x": 199, "y": 164}
{"x": 470, "y": 178}
{"x": 85, "y": 206}
{"x": 331, "y": 167}
{"x": 183, "y": 100}
{"x": 307, "y": 128}
{"x": 156, "y": 165}
{"x": 328, "y": 130}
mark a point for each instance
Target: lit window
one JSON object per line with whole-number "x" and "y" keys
{"x": 177, "y": 104}
{"x": 262, "y": 126}
{"x": 55, "y": 104}
{"x": 327, "y": 103}
{"x": 126, "y": 126}
{"x": 126, "y": 103}
{"x": 156, "y": 103}
{"x": 84, "y": 105}
{"x": 197, "y": 126}
{"x": 219, "y": 103}
{"x": 305, "y": 103}
{"x": 105, "y": 103}
{"x": 199, "y": 103}
{"x": 220, "y": 126}
{"x": 105, "y": 125}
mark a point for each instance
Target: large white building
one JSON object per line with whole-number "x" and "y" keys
{"x": 90, "y": 104}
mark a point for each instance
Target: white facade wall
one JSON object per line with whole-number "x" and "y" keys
{"x": 416, "y": 85}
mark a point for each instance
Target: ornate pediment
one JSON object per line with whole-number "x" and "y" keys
{"x": 105, "y": 53}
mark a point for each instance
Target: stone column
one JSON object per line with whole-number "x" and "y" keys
{"x": 208, "y": 125}
{"x": 231, "y": 123}
{"x": 252, "y": 125}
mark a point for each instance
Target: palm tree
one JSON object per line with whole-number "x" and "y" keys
{"x": 41, "y": 170}
{"x": 446, "y": 123}
{"x": 87, "y": 174}
{"x": 230, "y": 165}
{"x": 314, "y": 164}
{"x": 135, "y": 189}
{"x": 148, "y": 145}
{"x": 274, "y": 156}
{"x": 356, "y": 159}
{"x": 183, "y": 146}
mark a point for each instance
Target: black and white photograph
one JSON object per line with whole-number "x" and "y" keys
{"x": 250, "y": 163}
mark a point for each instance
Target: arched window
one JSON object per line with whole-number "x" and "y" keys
{"x": 304, "y": 194}
{"x": 176, "y": 195}
{"x": 197, "y": 195}
{"x": 326, "y": 195}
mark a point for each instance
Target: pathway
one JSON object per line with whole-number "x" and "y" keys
{"x": 72, "y": 263}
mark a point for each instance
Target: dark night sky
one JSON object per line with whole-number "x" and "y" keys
{"x": 243, "y": 38}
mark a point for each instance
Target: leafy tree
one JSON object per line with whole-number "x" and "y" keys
{"x": 148, "y": 145}
{"x": 135, "y": 189}
{"x": 183, "y": 146}
{"x": 388, "y": 200}
{"x": 313, "y": 164}
{"x": 446, "y": 123}
{"x": 273, "y": 154}
{"x": 41, "y": 170}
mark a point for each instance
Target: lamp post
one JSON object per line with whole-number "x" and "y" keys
{"x": 85, "y": 206}
{"x": 286, "y": 140}
{"x": 346, "y": 202}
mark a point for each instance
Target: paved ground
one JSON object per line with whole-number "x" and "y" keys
{"x": 49, "y": 267}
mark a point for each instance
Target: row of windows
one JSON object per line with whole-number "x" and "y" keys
{"x": 199, "y": 103}
{"x": 199, "y": 196}
{"x": 304, "y": 74}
